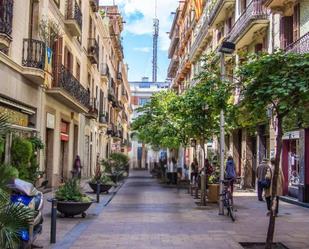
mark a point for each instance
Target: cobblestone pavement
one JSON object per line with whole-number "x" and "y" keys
{"x": 147, "y": 215}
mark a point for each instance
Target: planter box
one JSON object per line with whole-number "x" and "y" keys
{"x": 70, "y": 209}
{"x": 103, "y": 188}
{"x": 213, "y": 193}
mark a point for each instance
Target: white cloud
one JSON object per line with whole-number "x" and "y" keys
{"x": 143, "y": 49}
{"x": 143, "y": 26}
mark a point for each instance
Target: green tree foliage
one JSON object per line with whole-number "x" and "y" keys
{"x": 278, "y": 82}
{"x": 155, "y": 125}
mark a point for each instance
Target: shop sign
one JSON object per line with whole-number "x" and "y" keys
{"x": 15, "y": 117}
{"x": 291, "y": 135}
{"x": 50, "y": 121}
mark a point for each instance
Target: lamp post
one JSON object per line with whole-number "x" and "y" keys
{"x": 226, "y": 48}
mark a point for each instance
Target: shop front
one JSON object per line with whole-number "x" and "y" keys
{"x": 295, "y": 164}
{"x": 22, "y": 120}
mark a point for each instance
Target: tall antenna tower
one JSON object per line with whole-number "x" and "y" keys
{"x": 155, "y": 46}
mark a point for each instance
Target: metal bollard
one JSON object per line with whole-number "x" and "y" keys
{"x": 53, "y": 221}
{"x": 98, "y": 192}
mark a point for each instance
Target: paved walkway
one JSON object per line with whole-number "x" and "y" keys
{"x": 146, "y": 215}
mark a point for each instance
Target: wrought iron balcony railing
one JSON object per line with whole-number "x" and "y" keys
{"x": 300, "y": 46}
{"x": 6, "y": 17}
{"x": 254, "y": 11}
{"x": 93, "y": 50}
{"x": 72, "y": 86}
{"x": 93, "y": 108}
{"x": 74, "y": 12}
{"x": 33, "y": 54}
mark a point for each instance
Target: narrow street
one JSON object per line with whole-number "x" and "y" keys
{"x": 145, "y": 214}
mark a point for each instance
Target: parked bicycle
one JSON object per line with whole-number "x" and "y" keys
{"x": 227, "y": 198}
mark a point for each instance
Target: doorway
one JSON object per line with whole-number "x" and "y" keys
{"x": 49, "y": 154}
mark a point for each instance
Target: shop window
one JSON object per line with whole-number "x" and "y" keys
{"x": 293, "y": 163}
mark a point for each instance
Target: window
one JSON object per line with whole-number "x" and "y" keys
{"x": 143, "y": 101}
{"x": 78, "y": 71}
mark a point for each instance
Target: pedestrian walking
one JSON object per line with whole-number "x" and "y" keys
{"x": 260, "y": 174}
{"x": 194, "y": 170}
{"x": 279, "y": 190}
{"x": 230, "y": 171}
{"x": 77, "y": 167}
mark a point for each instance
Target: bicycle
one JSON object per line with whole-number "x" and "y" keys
{"x": 227, "y": 198}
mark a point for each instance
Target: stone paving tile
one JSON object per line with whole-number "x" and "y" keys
{"x": 145, "y": 215}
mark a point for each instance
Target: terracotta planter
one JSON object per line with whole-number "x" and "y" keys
{"x": 213, "y": 193}
{"x": 70, "y": 209}
{"x": 103, "y": 187}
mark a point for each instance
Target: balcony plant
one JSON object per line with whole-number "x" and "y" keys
{"x": 71, "y": 200}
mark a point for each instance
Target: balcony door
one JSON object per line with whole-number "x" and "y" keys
{"x": 68, "y": 60}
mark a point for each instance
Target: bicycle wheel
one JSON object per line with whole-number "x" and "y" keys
{"x": 230, "y": 209}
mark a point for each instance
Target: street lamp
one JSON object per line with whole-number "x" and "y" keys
{"x": 225, "y": 48}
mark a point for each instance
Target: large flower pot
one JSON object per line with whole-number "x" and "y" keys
{"x": 70, "y": 209}
{"x": 103, "y": 187}
{"x": 213, "y": 193}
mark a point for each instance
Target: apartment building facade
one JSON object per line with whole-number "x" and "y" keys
{"x": 253, "y": 26}
{"x": 58, "y": 64}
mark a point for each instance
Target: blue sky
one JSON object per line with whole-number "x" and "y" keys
{"x": 137, "y": 35}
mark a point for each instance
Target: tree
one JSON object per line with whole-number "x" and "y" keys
{"x": 155, "y": 125}
{"x": 277, "y": 82}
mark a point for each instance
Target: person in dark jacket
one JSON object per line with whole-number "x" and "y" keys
{"x": 77, "y": 167}
{"x": 260, "y": 175}
{"x": 230, "y": 172}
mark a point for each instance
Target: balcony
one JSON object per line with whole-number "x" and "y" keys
{"x": 94, "y": 5}
{"x": 218, "y": 11}
{"x": 33, "y": 60}
{"x": 114, "y": 131}
{"x": 174, "y": 42}
{"x": 119, "y": 77}
{"x": 124, "y": 96}
{"x": 6, "y": 18}
{"x": 253, "y": 19}
{"x": 93, "y": 109}
{"x": 103, "y": 119}
{"x": 74, "y": 18}
{"x": 111, "y": 94}
{"x": 104, "y": 71}
{"x": 278, "y": 4}
{"x": 93, "y": 51}
{"x": 172, "y": 68}
{"x": 124, "y": 117}
{"x": 300, "y": 46}
{"x": 69, "y": 91}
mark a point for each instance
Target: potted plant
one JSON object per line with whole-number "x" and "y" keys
{"x": 71, "y": 200}
{"x": 104, "y": 181}
{"x": 213, "y": 184}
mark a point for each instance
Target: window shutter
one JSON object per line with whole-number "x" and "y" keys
{"x": 57, "y": 61}
{"x": 286, "y": 31}
{"x": 296, "y": 17}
